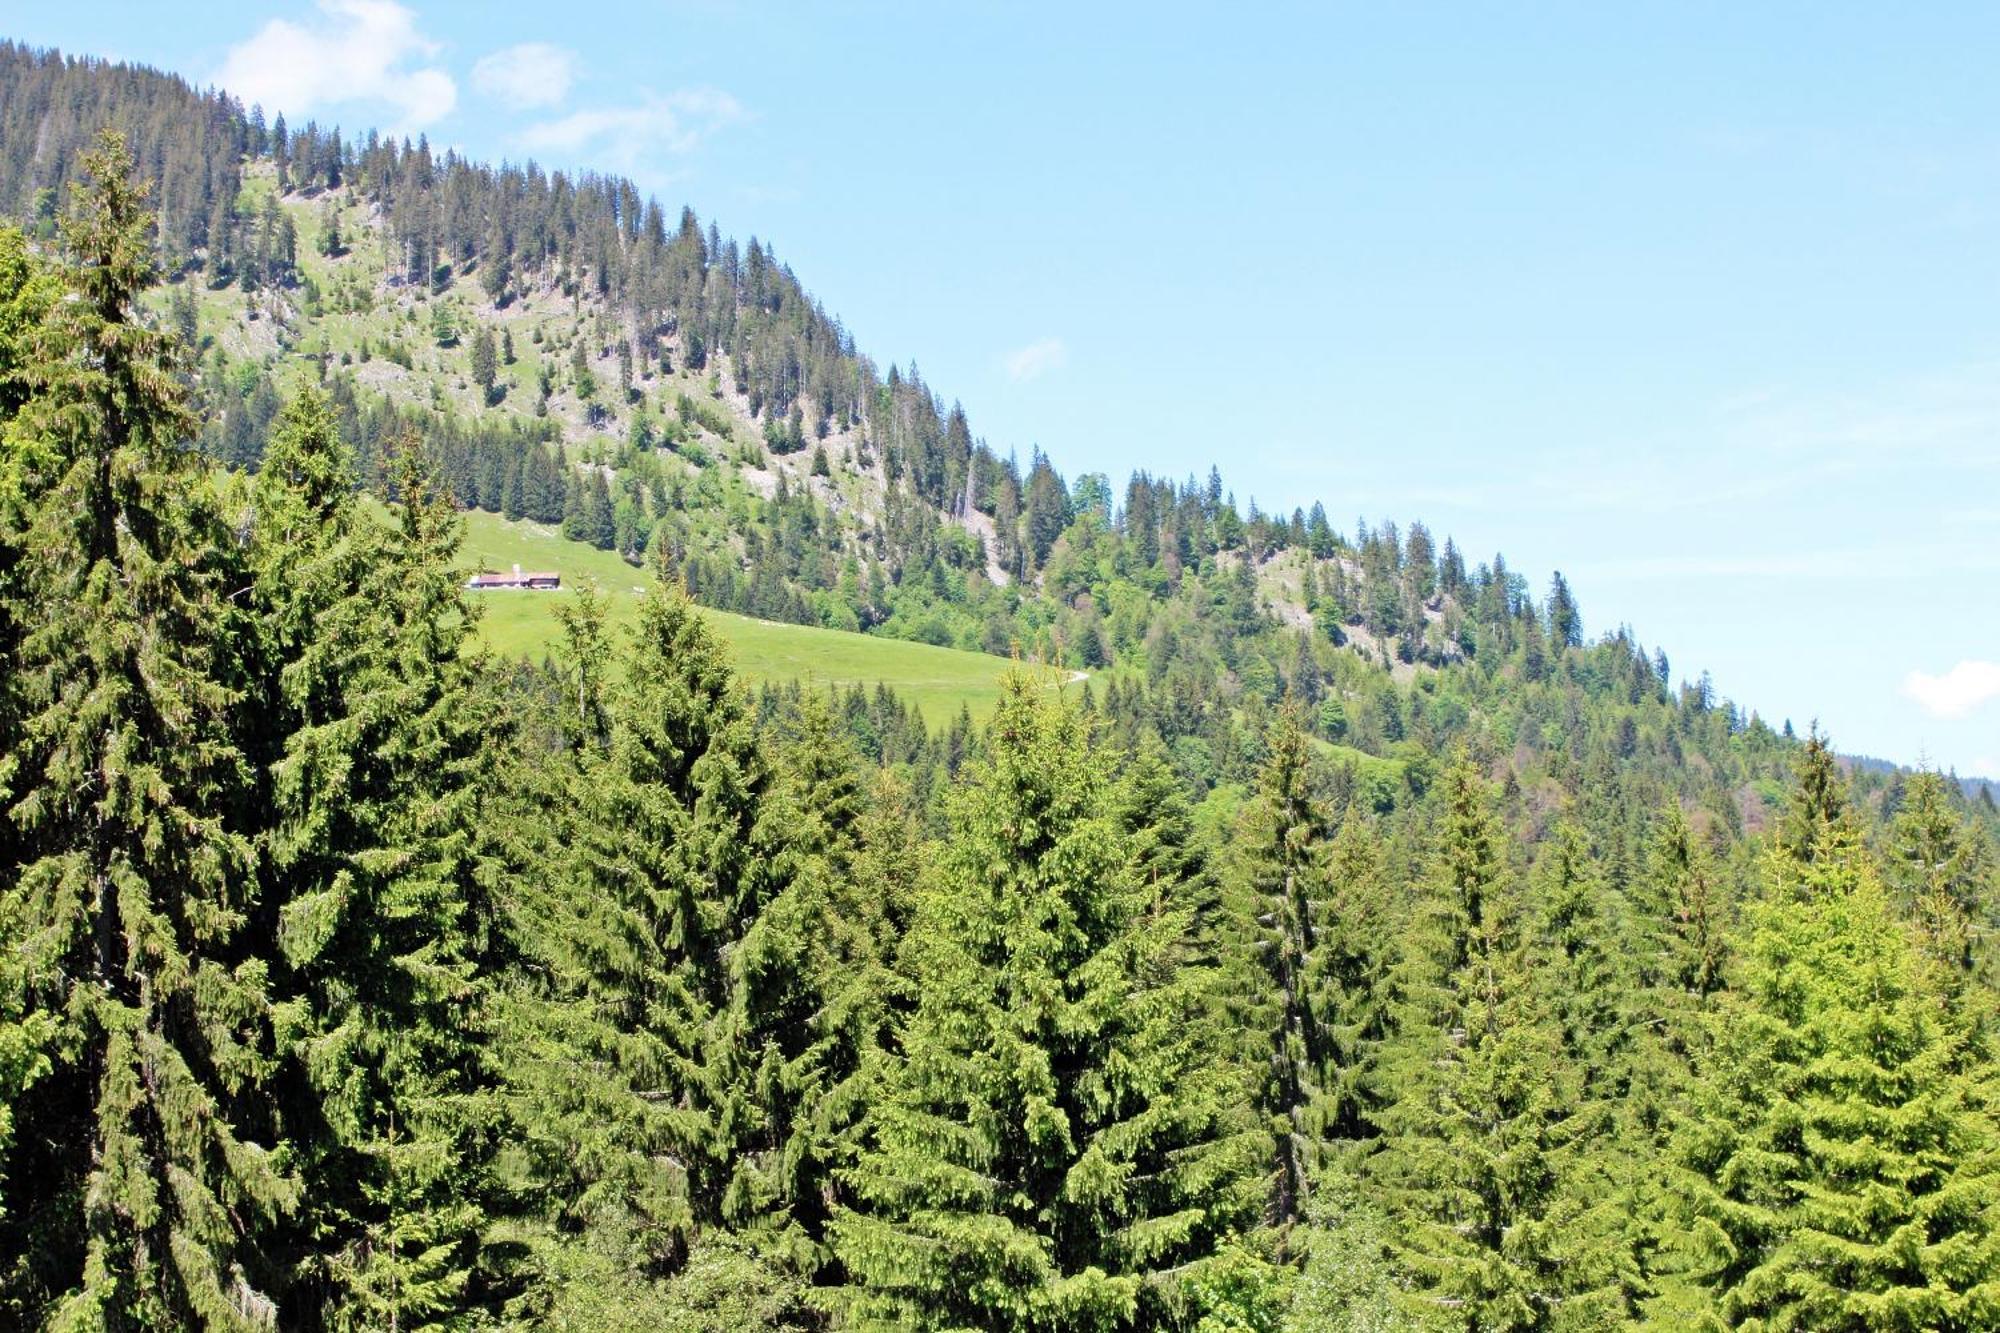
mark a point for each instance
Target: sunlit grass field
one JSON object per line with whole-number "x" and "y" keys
{"x": 938, "y": 681}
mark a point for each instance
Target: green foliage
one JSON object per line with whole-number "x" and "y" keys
{"x": 485, "y": 361}
{"x": 1487, "y": 1161}
{"x": 130, "y": 896}
{"x": 1943, "y": 871}
{"x": 1348, "y": 1283}
{"x": 659, "y": 963}
{"x": 1238, "y": 1291}
{"x": 1840, "y": 1171}
{"x": 1055, "y": 1128}
{"x": 350, "y": 978}
{"x": 372, "y": 873}
{"x": 1306, "y": 921}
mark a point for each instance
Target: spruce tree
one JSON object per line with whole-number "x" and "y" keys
{"x": 1054, "y": 1138}
{"x": 1683, "y": 939}
{"x": 1842, "y": 1170}
{"x": 1943, "y": 871}
{"x": 1818, "y": 806}
{"x": 1489, "y": 1173}
{"x": 1585, "y": 988}
{"x": 485, "y": 363}
{"x": 878, "y": 867}
{"x": 638, "y": 1088}
{"x": 28, "y": 290}
{"x": 1674, "y": 934}
{"x": 373, "y": 870}
{"x": 813, "y": 987}
{"x": 585, "y": 663}
{"x": 802, "y": 1011}
{"x": 1357, "y": 933}
{"x": 1151, "y": 807}
{"x": 1281, "y": 890}
{"x": 148, "y": 1184}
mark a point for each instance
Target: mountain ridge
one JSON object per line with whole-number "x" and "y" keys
{"x": 659, "y": 387}
{"x": 1361, "y": 944}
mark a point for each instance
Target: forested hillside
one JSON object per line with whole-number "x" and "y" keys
{"x": 1364, "y": 945}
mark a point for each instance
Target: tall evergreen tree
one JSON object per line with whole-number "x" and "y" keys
{"x": 1565, "y": 622}
{"x": 638, "y": 1102}
{"x": 485, "y": 362}
{"x": 1683, "y": 933}
{"x": 150, "y": 1180}
{"x": 1054, "y": 1139}
{"x": 28, "y": 291}
{"x": 1675, "y": 932}
{"x": 1943, "y": 871}
{"x": 372, "y": 870}
{"x": 1817, "y": 816}
{"x": 1151, "y": 807}
{"x": 1488, "y": 1170}
{"x": 1584, "y": 986}
{"x": 1842, "y": 1170}
{"x": 1281, "y": 892}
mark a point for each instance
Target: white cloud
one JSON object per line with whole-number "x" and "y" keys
{"x": 533, "y": 74}
{"x": 1036, "y": 360}
{"x": 1957, "y": 692}
{"x": 624, "y": 138}
{"x": 1986, "y": 768}
{"x": 355, "y": 51}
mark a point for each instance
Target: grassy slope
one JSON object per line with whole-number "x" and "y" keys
{"x": 936, "y": 680}
{"x": 357, "y": 305}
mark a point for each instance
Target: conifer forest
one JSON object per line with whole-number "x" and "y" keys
{"x": 1316, "y": 927}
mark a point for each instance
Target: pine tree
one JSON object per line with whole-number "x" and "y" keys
{"x": 878, "y": 863}
{"x": 1054, "y": 1138}
{"x": 28, "y": 292}
{"x": 1817, "y": 815}
{"x": 1494, "y": 1191}
{"x": 144, "y": 1201}
{"x": 599, "y": 525}
{"x": 1280, "y": 891}
{"x": 812, "y": 986}
{"x": 585, "y": 663}
{"x": 330, "y": 241}
{"x": 1584, "y": 987}
{"x": 1683, "y": 947}
{"x": 485, "y": 362}
{"x": 1565, "y": 623}
{"x": 638, "y": 1084}
{"x": 1674, "y": 934}
{"x": 1152, "y": 810}
{"x": 576, "y": 524}
{"x": 373, "y": 870}
{"x": 1358, "y": 927}
{"x": 1842, "y": 1170}
{"x": 1943, "y": 872}
{"x": 513, "y": 500}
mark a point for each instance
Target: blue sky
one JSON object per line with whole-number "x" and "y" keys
{"x": 1694, "y": 303}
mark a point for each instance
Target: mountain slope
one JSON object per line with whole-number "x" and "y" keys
{"x": 938, "y": 682}
{"x": 1368, "y": 945}
{"x": 580, "y": 360}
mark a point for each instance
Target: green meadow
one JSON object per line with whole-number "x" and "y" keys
{"x": 523, "y": 623}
